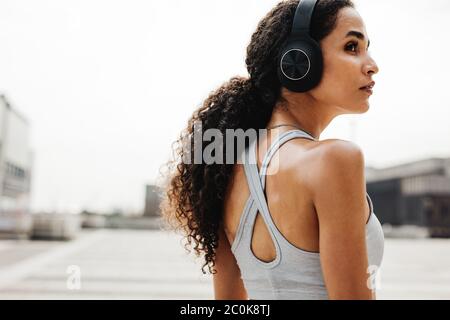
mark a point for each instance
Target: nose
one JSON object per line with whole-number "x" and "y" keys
{"x": 370, "y": 67}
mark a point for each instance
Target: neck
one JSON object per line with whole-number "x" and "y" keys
{"x": 304, "y": 111}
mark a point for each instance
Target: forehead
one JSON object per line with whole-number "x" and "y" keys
{"x": 348, "y": 19}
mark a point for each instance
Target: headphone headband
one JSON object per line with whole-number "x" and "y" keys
{"x": 302, "y": 18}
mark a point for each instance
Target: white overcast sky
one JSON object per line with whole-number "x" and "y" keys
{"x": 108, "y": 85}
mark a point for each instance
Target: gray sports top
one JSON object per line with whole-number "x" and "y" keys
{"x": 294, "y": 273}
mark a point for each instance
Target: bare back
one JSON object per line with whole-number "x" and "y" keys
{"x": 289, "y": 197}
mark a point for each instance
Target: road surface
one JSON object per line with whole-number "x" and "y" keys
{"x": 144, "y": 264}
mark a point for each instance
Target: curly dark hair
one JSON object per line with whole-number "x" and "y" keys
{"x": 195, "y": 192}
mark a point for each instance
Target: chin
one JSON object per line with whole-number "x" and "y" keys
{"x": 366, "y": 106}
{"x": 363, "y": 106}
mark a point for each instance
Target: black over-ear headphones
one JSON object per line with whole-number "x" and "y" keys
{"x": 300, "y": 62}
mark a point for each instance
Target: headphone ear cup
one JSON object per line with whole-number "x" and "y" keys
{"x": 300, "y": 65}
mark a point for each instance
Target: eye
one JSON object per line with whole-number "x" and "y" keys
{"x": 351, "y": 45}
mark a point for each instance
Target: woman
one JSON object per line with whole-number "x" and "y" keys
{"x": 306, "y": 231}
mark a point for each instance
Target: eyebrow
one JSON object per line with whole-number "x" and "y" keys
{"x": 357, "y": 34}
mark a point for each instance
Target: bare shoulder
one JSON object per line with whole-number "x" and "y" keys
{"x": 337, "y": 179}
{"x": 327, "y": 159}
{"x": 338, "y": 155}
{"x": 332, "y": 172}
{"x": 338, "y": 165}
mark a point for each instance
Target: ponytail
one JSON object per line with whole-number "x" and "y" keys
{"x": 194, "y": 200}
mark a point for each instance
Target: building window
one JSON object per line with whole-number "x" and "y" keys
{"x": 445, "y": 212}
{"x": 14, "y": 170}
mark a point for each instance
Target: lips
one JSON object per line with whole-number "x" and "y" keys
{"x": 369, "y": 86}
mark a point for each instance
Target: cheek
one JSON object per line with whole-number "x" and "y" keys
{"x": 339, "y": 80}
{"x": 333, "y": 86}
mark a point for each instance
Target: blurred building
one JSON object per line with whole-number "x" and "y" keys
{"x": 416, "y": 193}
{"x": 152, "y": 200}
{"x": 15, "y": 170}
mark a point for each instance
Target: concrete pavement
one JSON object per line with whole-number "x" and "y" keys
{"x": 143, "y": 264}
